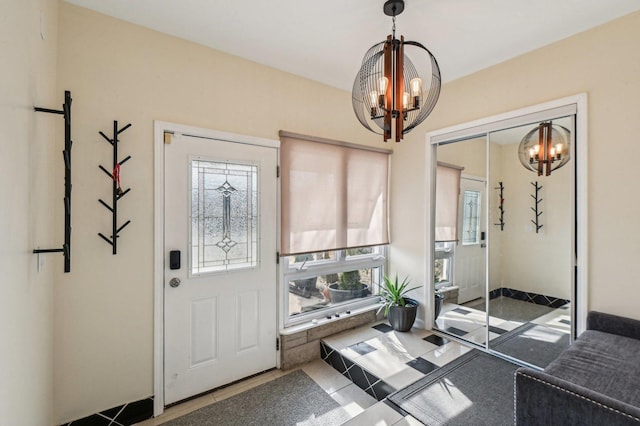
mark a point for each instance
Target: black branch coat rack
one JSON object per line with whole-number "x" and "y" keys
{"x": 536, "y": 205}
{"x": 117, "y": 192}
{"x": 66, "y": 247}
{"x": 500, "y": 189}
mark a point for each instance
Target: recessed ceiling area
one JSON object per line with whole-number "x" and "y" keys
{"x": 325, "y": 40}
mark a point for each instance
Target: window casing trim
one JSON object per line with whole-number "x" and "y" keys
{"x": 342, "y": 263}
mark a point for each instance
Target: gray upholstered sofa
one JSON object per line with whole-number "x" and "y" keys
{"x": 596, "y": 381}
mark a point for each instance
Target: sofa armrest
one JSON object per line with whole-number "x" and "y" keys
{"x": 613, "y": 324}
{"x": 542, "y": 399}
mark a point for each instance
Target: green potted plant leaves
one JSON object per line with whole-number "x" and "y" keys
{"x": 400, "y": 310}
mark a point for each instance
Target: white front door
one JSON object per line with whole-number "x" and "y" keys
{"x": 470, "y": 253}
{"x": 220, "y": 301}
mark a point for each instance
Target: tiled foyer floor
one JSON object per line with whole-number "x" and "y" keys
{"x": 360, "y": 367}
{"x": 392, "y": 358}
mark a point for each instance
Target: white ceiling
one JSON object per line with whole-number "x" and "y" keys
{"x": 325, "y": 40}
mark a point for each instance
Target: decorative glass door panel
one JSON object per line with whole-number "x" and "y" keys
{"x": 471, "y": 217}
{"x": 224, "y": 216}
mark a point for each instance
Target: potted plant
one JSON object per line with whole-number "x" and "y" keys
{"x": 347, "y": 287}
{"x": 400, "y": 310}
{"x": 439, "y": 298}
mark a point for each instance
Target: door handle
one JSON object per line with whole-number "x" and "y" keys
{"x": 174, "y": 282}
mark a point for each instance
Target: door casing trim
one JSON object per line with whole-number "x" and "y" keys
{"x": 159, "y": 129}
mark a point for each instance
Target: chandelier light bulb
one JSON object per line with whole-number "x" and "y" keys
{"x": 416, "y": 86}
{"x": 374, "y": 97}
{"x": 405, "y": 100}
{"x": 559, "y": 149}
{"x": 383, "y": 83}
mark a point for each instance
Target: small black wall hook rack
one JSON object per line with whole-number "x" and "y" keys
{"x": 500, "y": 189}
{"x": 66, "y": 247}
{"x": 117, "y": 192}
{"x": 536, "y": 205}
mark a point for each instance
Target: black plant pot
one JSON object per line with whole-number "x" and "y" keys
{"x": 439, "y": 298}
{"x": 336, "y": 295}
{"x": 402, "y": 318}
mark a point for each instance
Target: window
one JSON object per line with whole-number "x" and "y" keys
{"x": 334, "y": 225}
{"x": 443, "y": 264}
{"x": 324, "y": 283}
{"x": 470, "y": 217}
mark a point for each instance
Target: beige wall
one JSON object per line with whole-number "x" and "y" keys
{"x": 470, "y": 154}
{"x": 30, "y": 148}
{"x": 604, "y": 63}
{"x": 104, "y": 308}
{"x": 529, "y": 261}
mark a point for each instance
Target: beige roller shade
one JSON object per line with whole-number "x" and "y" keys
{"x": 334, "y": 195}
{"x": 447, "y": 193}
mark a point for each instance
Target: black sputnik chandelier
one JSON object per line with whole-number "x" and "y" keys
{"x": 389, "y": 92}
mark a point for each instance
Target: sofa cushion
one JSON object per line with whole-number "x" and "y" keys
{"x": 604, "y": 363}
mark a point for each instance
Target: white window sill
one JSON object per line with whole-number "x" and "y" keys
{"x": 292, "y": 329}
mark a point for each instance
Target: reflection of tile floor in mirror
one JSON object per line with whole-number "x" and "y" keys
{"x": 467, "y": 321}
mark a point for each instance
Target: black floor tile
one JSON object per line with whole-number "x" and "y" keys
{"x": 497, "y": 330}
{"x": 565, "y": 321}
{"x": 335, "y": 360}
{"x": 461, "y": 311}
{"x": 94, "y": 420}
{"x": 358, "y": 377}
{"x": 456, "y": 331}
{"x": 385, "y": 328}
{"x": 422, "y": 365}
{"x": 324, "y": 350}
{"x": 372, "y": 378}
{"x": 436, "y": 340}
{"x": 362, "y": 348}
{"x": 381, "y": 389}
{"x": 136, "y": 412}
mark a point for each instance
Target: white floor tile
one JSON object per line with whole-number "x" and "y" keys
{"x": 327, "y": 377}
{"x": 383, "y": 363}
{"x": 404, "y": 377}
{"x": 351, "y": 337}
{"x": 353, "y": 399}
{"x": 409, "y": 343}
{"x": 479, "y": 336}
{"x": 446, "y": 353}
{"x": 379, "y": 414}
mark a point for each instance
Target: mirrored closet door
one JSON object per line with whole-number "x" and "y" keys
{"x": 504, "y": 236}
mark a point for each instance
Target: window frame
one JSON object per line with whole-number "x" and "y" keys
{"x": 341, "y": 263}
{"x": 448, "y": 253}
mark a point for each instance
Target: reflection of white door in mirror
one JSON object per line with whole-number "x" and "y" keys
{"x": 469, "y": 263}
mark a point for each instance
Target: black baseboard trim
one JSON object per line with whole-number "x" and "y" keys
{"x": 122, "y": 415}
{"x": 538, "y": 299}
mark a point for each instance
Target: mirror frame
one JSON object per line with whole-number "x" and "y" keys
{"x": 579, "y": 153}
